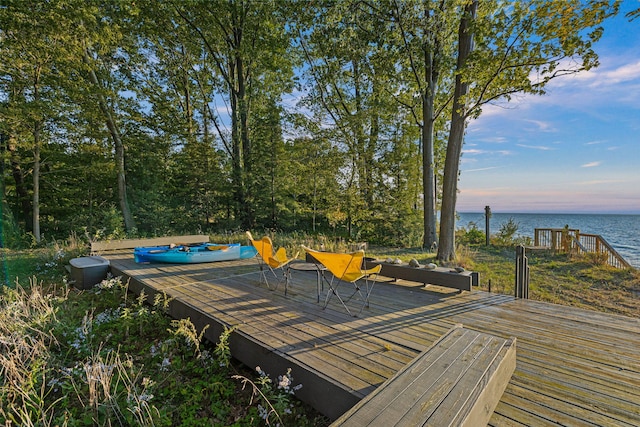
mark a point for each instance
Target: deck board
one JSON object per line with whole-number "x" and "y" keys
{"x": 574, "y": 366}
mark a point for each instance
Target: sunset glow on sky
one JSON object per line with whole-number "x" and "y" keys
{"x": 575, "y": 149}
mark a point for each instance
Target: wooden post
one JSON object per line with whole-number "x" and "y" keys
{"x": 522, "y": 273}
{"x": 487, "y": 216}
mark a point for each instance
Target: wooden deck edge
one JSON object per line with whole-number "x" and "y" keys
{"x": 323, "y": 393}
{"x": 97, "y": 247}
{"x": 497, "y": 379}
{"x": 469, "y": 402}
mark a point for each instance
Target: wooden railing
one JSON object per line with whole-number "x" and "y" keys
{"x": 569, "y": 240}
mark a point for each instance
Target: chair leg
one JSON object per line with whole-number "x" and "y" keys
{"x": 277, "y": 279}
{"x": 333, "y": 290}
{"x": 364, "y": 295}
{"x": 285, "y": 278}
{"x": 263, "y": 276}
{"x": 286, "y": 272}
{"x": 368, "y": 289}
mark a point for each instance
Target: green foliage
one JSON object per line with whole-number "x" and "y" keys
{"x": 507, "y": 232}
{"x": 274, "y": 400}
{"x": 222, "y": 351}
{"x": 10, "y": 232}
{"x": 507, "y": 235}
{"x": 180, "y": 111}
{"x": 471, "y": 235}
{"x": 101, "y": 357}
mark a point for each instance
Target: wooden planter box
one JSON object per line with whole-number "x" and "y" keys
{"x": 440, "y": 276}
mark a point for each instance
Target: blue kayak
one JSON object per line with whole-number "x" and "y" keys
{"x": 191, "y": 254}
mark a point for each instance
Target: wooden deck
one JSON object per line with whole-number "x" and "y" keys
{"x": 574, "y": 367}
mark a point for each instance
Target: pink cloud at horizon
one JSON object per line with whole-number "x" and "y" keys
{"x": 546, "y": 201}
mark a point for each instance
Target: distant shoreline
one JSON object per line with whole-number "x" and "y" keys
{"x": 552, "y": 213}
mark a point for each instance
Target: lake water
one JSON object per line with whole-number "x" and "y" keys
{"x": 620, "y": 231}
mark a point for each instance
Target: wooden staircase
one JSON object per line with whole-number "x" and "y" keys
{"x": 568, "y": 240}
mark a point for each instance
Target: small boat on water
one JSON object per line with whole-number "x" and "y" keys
{"x": 192, "y": 254}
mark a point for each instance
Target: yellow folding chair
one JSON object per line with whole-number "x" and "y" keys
{"x": 268, "y": 260}
{"x": 346, "y": 268}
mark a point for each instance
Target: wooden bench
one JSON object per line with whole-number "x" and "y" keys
{"x": 110, "y": 245}
{"x": 439, "y": 276}
{"x": 458, "y": 381}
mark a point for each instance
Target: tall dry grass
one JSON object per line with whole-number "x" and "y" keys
{"x": 25, "y": 339}
{"x": 30, "y": 380}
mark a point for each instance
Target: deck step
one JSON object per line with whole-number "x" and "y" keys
{"x": 458, "y": 381}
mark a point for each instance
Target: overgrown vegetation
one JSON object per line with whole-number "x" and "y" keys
{"x": 102, "y": 357}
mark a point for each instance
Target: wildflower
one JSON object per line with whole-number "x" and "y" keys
{"x": 166, "y": 363}
{"x": 263, "y": 413}
{"x": 145, "y": 397}
{"x": 284, "y": 381}
{"x": 55, "y": 383}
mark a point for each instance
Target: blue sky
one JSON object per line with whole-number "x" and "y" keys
{"x": 574, "y": 150}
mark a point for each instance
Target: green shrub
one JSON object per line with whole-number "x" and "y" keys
{"x": 470, "y": 235}
{"x": 507, "y": 235}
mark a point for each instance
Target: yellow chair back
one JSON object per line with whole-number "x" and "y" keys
{"x": 264, "y": 247}
{"x": 347, "y": 266}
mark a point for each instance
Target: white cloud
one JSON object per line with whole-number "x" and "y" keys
{"x": 541, "y": 125}
{"x": 591, "y": 165}
{"x": 495, "y": 140}
{"x": 478, "y": 151}
{"x": 481, "y": 169}
{"x": 473, "y": 151}
{"x": 606, "y": 78}
{"x": 536, "y": 147}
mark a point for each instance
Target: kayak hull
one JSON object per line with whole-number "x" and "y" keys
{"x": 193, "y": 254}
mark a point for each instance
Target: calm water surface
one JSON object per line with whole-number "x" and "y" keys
{"x": 620, "y": 231}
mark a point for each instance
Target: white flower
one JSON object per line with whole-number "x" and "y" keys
{"x": 284, "y": 382}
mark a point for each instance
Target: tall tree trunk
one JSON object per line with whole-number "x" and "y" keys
{"x": 372, "y": 147}
{"x": 446, "y": 247}
{"x": 129, "y": 222}
{"x": 18, "y": 178}
{"x": 237, "y": 175}
{"x": 248, "y": 219}
{"x": 37, "y": 134}
{"x": 36, "y": 182}
{"x": 428, "y": 165}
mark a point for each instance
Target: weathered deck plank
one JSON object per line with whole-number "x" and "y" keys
{"x": 574, "y": 367}
{"x": 457, "y": 381}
